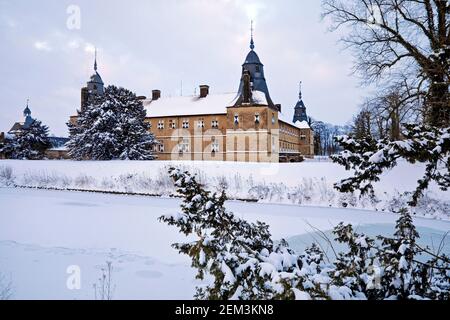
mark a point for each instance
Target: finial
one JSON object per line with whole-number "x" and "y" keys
{"x": 95, "y": 61}
{"x": 252, "y": 43}
{"x": 28, "y": 101}
{"x": 300, "y": 91}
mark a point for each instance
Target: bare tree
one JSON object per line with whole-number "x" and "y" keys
{"x": 324, "y": 137}
{"x": 390, "y": 109}
{"x": 400, "y": 38}
{"x": 362, "y": 124}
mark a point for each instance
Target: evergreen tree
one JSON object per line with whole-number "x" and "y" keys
{"x": 370, "y": 158}
{"x": 242, "y": 262}
{"x": 29, "y": 143}
{"x": 111, "y": 126}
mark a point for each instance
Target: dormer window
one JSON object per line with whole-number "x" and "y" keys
{"x": 257, "y": 118}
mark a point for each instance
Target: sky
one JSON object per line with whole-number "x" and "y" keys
{"x": 48, "y": 51}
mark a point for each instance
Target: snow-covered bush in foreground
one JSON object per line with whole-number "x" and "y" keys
{"x": 242, "y": 261}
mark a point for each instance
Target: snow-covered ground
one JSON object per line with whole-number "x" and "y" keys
{"x": 308, "y": 183}
{"x": 42, "y": 233}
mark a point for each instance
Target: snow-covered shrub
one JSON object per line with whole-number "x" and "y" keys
{"x": 6, "y": 175}
{"x": 426, "y": 205}
{"x": 44, "y": 179}
{"x": 259, "y": 192}
{"x": 243, "y": 262}
{"x": 84, "y": 181}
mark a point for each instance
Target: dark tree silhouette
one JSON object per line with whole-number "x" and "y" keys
{"x": 400, "y": 38}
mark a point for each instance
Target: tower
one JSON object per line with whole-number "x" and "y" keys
{"x": 27, "y": 114}
{"x": 95, "y": 85}
{"x": 259, "y": 90}
{"x": 300, "y": 108}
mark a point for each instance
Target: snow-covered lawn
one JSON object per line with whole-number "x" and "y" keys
{"x": 44, "y": 232}
{"x": 308, "y": 183}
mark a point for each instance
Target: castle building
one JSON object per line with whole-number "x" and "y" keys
{"x": 245, "y": 126}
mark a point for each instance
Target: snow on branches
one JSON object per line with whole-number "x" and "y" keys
{"x": 239, "y": 260}
{"x": 370, "y": 158}
{"x": 111, "y": 126}
{"x": 29, "y": 143}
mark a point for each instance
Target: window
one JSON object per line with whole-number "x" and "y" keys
{"x": 184, "y": 145}
{"x": 215, "y": 124}
{"x": 201, "y": 123}
{"x": 185, "y": 124}
{"x": 236, "y": 119}
{"x": 257, "y": 118}
{"x": 215, "y": 147}
{"x": 161, "y": 147}
{"x": 273, "y": 118}
{"x": 172, "y": 124}
{"x": 149, "y": 124}
{"x": 161, "y": 124}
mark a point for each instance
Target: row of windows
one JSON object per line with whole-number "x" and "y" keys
{"x": 287, "y": 147}
{"x": 257, "y": 118}
{"x": 201, "y": 122}
{"x": 185, "y": 146}
{"x": 186, "y": 124}
{"x": 289, "y": 131}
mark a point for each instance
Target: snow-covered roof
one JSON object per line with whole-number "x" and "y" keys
{"x": 298, "y": 124}
{"x": 212, "y": 104}
{"x": 189, "y": 105}
{"x": 302, "y": 125}
{"x": 258, "y": 98}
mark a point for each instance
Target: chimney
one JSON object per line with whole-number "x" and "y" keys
{"x": 204, "y": 91}
{"x": 156, "y": 94}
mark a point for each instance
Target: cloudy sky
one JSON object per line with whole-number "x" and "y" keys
{"x": 47, "y": 53}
